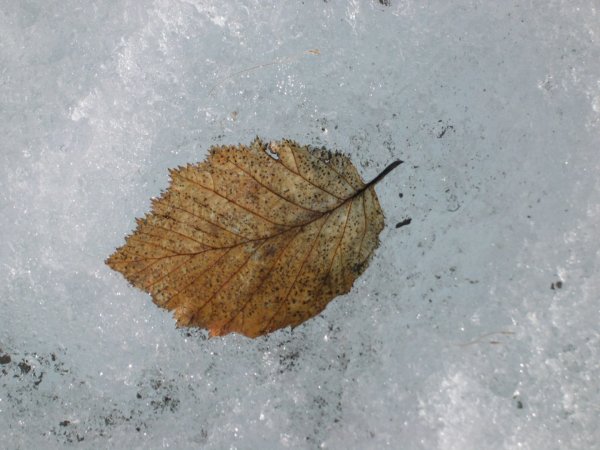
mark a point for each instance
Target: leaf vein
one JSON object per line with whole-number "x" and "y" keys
{"x": 147, "y": 288}
{"x": 364, "y": 226}
{"x": 207, "y": 221}
{"x": 285, "y": 299}
{"x": 177, "y": 232}
{"x": 195, "y": 278}
{"x": 235, "y": 273}
{"x": 334, "y": 170}
{"x": 306, "y": 179}
{"x": 262, "y": 281}
{"x": 214, "y": 191}
{"x": 274, "y": 192}
{"x": 337, "y": 247}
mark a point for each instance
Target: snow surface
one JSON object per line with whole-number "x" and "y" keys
{"x": 476, "y": 326}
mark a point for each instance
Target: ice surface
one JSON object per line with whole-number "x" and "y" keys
{"x": 476, "y": 326}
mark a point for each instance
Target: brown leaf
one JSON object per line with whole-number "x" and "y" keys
{"x": 256, "y": 238}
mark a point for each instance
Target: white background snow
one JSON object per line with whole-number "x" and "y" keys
{"x": 476, "y": 326}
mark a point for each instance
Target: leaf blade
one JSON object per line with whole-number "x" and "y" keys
{"x": 255, "y": 238}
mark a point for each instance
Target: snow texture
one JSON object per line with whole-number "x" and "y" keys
{"x": 475, "y": 326}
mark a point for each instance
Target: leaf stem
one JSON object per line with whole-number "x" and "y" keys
{"x": 379, "y": 177}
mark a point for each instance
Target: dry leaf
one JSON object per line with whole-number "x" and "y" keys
{"x": 256, "y": 238}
